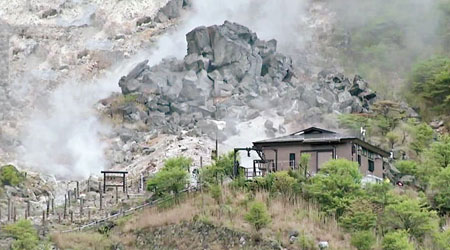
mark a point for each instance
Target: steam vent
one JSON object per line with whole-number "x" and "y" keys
{"x": 4, "y": 55}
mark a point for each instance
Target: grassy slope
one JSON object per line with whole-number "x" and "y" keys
{"x": 229, "y": 213}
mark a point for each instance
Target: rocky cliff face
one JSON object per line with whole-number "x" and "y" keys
{"x": 230, "y": 75}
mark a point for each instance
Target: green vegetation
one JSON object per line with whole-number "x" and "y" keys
{"x": 221, "y": 169}
{"x": 335, "y": 186}
{"x": 258, "y": 216}
{"x": 430, "y": 82}
{"x": 10, "y": 176}
{"x": 440, "y": 188}
{"x": 25, "y": 235}
{"x": 410, "y": 216}
{"x": 171, "y": 179}
{"x": 363, "y": 240}
{"x": 397, "y": 240}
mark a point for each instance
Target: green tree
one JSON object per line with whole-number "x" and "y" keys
{"x": 438, "y": 153}
{"x": 397, "y": 240}
{"x": 9, "y": 175}
{"x": 178, "y": 162}
{"x": 407, "y": 167}
{"x": 440, "y": 191}
{"x": 258, "y": 216}
{"x": 422, "y": 137}
{"x": 171, "y": 179}
{"x": 363, "y": 240}
{"x": 283, "y": 183}
{"x": 442, "y": 240}
{"x": 216, "y": 193}
{"x": 359, "y": 216}
{"x": 392, "y": 138}
{"x": 221, "y": 168}
{"x": 335, "y": 186}
{"x": 25, "y": 235}
{"x": 430, "y": 81}
{"x": 410, "y": 216}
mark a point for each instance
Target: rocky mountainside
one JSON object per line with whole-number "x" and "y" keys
{"x": 230, "y": 75}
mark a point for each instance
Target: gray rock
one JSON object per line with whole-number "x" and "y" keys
{"x": 49, "y": 13}
{"x": 345, "y": 99}
{"x": 172, "y": 9}
{"x": 143, "y": 20}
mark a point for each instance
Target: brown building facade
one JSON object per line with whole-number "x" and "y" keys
{"x": 283, "y": 153}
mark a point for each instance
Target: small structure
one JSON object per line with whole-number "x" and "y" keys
{"x": 112, "y": 177}
{"x": 283, "y": 153}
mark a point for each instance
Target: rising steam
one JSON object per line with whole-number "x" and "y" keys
{"x": 63, "y": 136}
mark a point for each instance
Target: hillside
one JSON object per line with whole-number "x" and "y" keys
{"x": 162, "y": 91}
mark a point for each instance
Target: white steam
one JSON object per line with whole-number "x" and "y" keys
{"x": 63, "y": 137}
{"x": 280, "y": 19}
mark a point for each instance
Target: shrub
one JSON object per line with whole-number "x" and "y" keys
{"x": 9, "y": 175}
{"x": 180, "y": 162}
{"x": 407, "y": 167}
{"x": 283, "y": 183}
{"x": 397, "y": 240}
{"x": 440, "y": 191}
{"x": 24, "y": 233}
{"x": 359, "y": 216}
{"x": 336, "y": 185}
{"x": 410, "y": 216}
{"x": 216, "y": 193}
{"x": 442, "y": 240}
{"x": 171, "y": 179}
{"x": 363, "y": 240}
{"x": 422, "y": 137}
{"x": 219, "y": 170}
{"x": 430, "y": 80}
{"x": 305, "y": 242}
{"x": 258, "y": 216}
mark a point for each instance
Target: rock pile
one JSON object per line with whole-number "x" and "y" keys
{"x": 230, "y": 75}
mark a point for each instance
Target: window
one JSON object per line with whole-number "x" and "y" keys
{"x": 364, "y": 151}
{"x": 292, "y": 160}
{"x": 371, "y": 166}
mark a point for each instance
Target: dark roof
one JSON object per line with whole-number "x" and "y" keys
{"x": 318, "y": 135}
{"x": 309, "y": 135}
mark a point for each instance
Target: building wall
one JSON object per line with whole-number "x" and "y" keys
{"x": 343, "y": 150}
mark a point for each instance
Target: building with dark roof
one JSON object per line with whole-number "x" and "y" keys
{"x": 283, "y": 153}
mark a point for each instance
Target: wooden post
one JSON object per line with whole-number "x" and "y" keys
{"x": 78, "y": 189}
{"x": 75, "y": 193}
{"x": 104, "y": 182}
{"x": 65, "y": 207}
{"x": 123, "y": 182}
{"x": 59, "y": 218}
{"x": 117, "y": 195}
{"x": 9, "y": 208}
{"x": 88, "y": 185}
{"x": 101, "y": 200}
{"x": 68, "y": 197}
{"x": 26, "y": 214}
{"x": 53, "y": 205}
{"x": 48, "y": 206}
{"x": 28, "y": 208}
{"x": 43, "y": 217}
{"x": 71, "y": 216}
{"x": 14, "y": 214}
{"x": 81, "y": 208}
